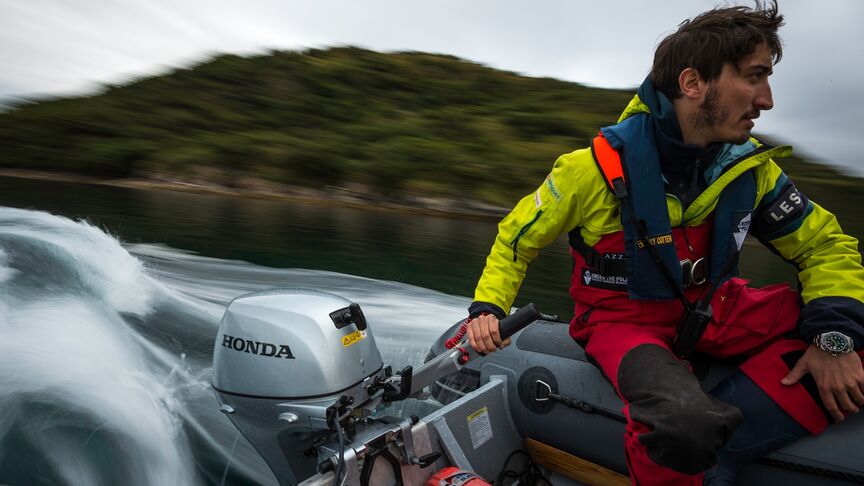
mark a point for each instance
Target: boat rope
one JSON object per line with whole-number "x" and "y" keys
{"x": 544, "y": 392}
{"x": 816, "y": 471}
{"x": 531, "y": 474}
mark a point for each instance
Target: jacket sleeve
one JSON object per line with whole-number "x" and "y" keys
{"x": 829, "y": 263}
{"x": 534, "y": 223}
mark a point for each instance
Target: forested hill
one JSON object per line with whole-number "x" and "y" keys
{"x": 389, "y": 124}
{"x": 397, "y": 123}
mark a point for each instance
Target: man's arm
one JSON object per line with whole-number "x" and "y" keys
{"x": 828, "y": 261}
{"x": 534, "y": 223}
{"x": 832, "y": 286}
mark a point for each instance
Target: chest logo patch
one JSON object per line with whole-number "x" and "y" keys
{"x": 592, "y": 278}
{"x": 655, "y": 240}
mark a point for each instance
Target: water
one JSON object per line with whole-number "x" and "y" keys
{"x": 438, "y": 253}
{"x": 105, "y": 361}
{"x": 108, "y": 323}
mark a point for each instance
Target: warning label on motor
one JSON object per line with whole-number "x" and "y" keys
{"x": 353, "y": 338}
{"x": 479, "y": 427}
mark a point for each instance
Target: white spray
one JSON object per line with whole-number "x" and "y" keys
{"x": 68, "y": 360}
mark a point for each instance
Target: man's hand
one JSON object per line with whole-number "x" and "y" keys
{"x": 840, "y": 379}
{"x": 483, "y": 335}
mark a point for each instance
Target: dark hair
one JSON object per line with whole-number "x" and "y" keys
{"x": 712, "y": 39}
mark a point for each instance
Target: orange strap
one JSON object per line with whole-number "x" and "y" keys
{"x": 609, "y": 162}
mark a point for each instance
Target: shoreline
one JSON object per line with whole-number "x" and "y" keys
{"x": 258, "y": 189}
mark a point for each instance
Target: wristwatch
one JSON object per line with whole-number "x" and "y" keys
{"x": 834, "y": 342}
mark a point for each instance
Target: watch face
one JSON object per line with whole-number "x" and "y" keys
{"x": 835, "y": 342}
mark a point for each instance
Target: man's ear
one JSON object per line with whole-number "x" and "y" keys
{"x": 691, "y": 83}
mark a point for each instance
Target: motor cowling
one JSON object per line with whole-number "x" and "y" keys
{"x": 290, "y": 343}
{"x": 282, "y": 357}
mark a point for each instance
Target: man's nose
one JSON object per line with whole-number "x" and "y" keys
{"x": 764, "y": 99}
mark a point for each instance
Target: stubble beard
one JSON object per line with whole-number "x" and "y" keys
{"x": 709, "y": 118}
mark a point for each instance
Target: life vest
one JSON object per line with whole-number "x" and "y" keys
{"x": 621, "y": 268}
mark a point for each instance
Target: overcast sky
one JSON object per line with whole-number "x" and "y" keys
{"x": 72, "y": 46}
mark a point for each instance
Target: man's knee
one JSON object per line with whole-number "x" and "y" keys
{"x": 686, "y": 427}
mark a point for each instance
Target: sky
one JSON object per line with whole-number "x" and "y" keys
{"x": 59, "y": 47}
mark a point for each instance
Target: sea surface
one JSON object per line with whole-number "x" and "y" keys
{"x": 110, "y": 301}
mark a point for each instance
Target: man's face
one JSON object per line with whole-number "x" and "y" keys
{"x": 734, "y": 100}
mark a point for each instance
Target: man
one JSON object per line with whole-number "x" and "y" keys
{"x": 656, "y": 211}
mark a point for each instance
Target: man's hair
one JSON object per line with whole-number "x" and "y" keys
{"x": 712, "y": 39}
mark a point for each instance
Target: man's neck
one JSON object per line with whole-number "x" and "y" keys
{"x": 683, "y": 167}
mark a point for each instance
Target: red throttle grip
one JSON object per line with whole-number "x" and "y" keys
{"x": 516, "y": 321}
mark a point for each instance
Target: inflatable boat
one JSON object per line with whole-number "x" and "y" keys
{"x": 558, "y": 398}
{"x": 299, "y": 374}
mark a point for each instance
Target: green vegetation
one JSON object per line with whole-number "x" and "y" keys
{"x": 389, "y": 124}
{"x": 397, "y": 124}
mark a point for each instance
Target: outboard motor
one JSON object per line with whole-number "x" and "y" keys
{"x": 283, "y": 361}
{"x": 298, "y": 373}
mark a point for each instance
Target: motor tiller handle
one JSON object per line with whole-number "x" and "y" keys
{"x": 516, "y": 321}
{"x": 452, "y": 360}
